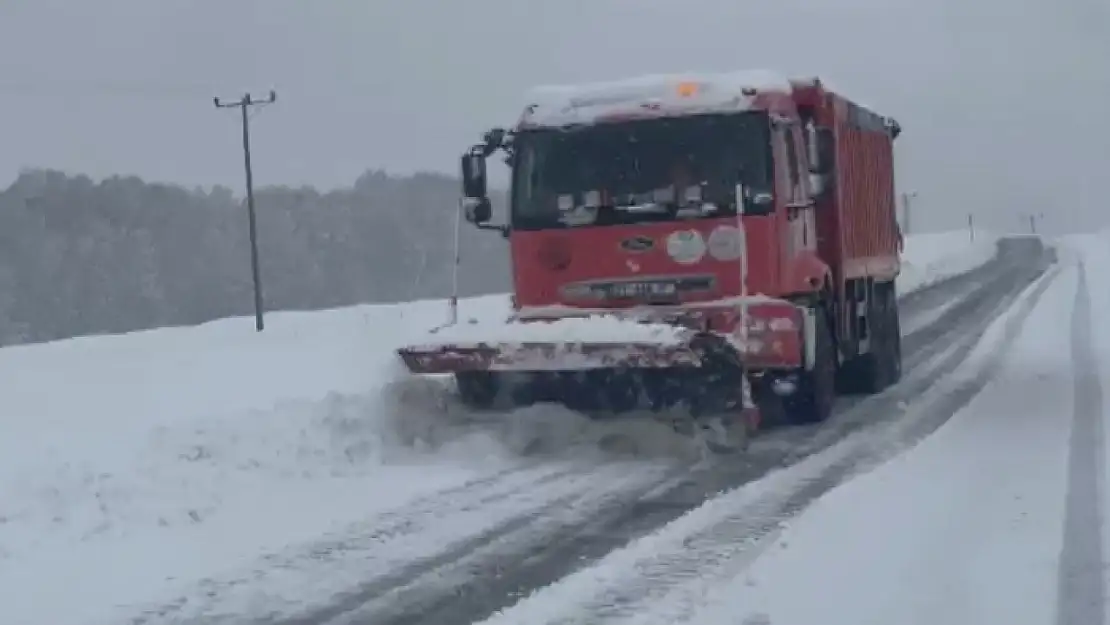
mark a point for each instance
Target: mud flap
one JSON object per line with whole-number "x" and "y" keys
{"x": 809, "y": 319}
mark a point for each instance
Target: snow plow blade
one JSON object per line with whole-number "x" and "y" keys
{"x": 589, "y": 376}
{"x": 633, "y": 363}
{"x": 547, "y": 356}
{"x": 607, "y": 341}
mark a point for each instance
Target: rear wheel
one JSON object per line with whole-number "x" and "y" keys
{"x": 895, "y": 337}
{"x": 880, "y": 366}
{"x": 813, "y": 401}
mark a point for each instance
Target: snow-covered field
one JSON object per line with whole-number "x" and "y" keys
{"x": 133, "y": 467}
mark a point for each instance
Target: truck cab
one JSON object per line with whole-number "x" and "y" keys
{"x": 678, "y": 192}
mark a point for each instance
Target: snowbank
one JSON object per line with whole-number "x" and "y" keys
{"x": 1094, "y": 251}
{"x": 931, "y": 257}
{"x": 176, "y": 454}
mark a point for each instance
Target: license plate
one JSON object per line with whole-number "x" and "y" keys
{"x": 643, "y": 289}
{"x": 660, "y": 289}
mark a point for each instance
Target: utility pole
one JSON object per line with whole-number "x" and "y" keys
{"x": 243, "y": 104}
{"x": 906, "y": 197}
{"x": 1033, "y": 219}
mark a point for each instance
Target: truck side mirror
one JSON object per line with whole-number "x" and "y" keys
{"x": 893, "y": 127}
{"x": 477, "y": 211}
{"x": 474, "y": 175}
{"x": 822, "y": 150}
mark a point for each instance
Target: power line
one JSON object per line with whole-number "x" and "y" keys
{"x": 244, "y": 104}
{"x": 71, "y": 88}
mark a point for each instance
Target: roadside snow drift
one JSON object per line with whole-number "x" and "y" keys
{"x": 930, "y": 257}
{"x": 133, "y": 466}
{"x": 174, "y": 453}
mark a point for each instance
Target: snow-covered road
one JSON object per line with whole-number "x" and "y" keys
{"x": 993, "y": 519}
{"x": 559, "y": 549}
{"x": 670, "y": 575}
{"x": 996, "y": 517}
{"x": 297, "y": 497}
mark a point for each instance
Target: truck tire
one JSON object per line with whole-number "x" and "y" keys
{"x": 872, "y": 372}
{"x": 816, "y": 394}
{"x": 895, "y": 326}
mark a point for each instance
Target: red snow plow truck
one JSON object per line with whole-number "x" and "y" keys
{"x": 712, "y": 248}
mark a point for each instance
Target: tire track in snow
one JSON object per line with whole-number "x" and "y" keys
{"x": 492, "y": 547}
{"x": 409, "y": 588}
{"x": 922, "y": 349}
{"x": 1081, "y": 589}
{"x": 726, "y": 534}
{"x": 575, "y": 546}
{"x": 499, "y": 564}
{"x": 506, "y": 491}
{"x": 626, "y": 515}
{"x": 941, "y": 292}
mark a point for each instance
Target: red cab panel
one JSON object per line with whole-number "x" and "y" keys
{"x": 655, "y": 263}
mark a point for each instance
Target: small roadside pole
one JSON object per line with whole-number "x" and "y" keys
{"x": 243, "y": 104}
{"x": 906, "y": 198}
{"x": 1033, "y": 219}
{"x": 971, "y": 226}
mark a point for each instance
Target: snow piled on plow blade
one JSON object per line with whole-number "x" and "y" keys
{"x": 576, "y": 343}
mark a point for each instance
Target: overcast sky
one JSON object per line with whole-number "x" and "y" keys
{"x": 1002, "y": 102}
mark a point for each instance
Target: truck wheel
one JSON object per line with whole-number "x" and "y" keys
{"x": 478, "y": 390}
{"x": 813, "y": 401}
{"x": 872, "y": 372}
{"x": 895, "y": 335}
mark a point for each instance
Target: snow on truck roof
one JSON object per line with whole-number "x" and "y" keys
{"x": 686, "y": 93}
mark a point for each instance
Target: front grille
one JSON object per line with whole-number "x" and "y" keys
{"x": 660, "y": 290}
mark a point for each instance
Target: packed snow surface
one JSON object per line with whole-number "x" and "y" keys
{"x": 133, "y": 467}
{"x": 972, "y": 525}
{"x": 1094, "y": 252}
{"x": 972, "y": 518}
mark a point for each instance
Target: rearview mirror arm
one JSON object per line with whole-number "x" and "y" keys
{"x": 502, "y": 228}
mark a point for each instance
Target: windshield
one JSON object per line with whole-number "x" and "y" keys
{"x": 638, "y": 171}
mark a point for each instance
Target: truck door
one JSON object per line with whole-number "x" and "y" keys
{"x": 798, "y": 222}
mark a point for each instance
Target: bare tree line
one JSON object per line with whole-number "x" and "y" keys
{"x": 79, "y": 257}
